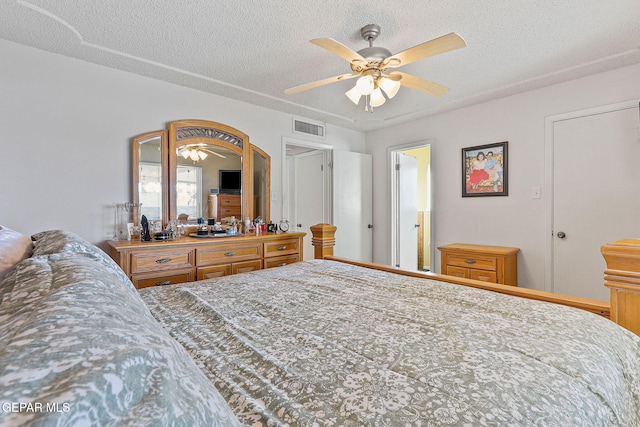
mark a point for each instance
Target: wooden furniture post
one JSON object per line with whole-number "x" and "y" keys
{"x": 323, "y": 240}
{"x": 622, "y": 277}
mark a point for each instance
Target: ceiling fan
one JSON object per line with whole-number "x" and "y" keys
{"x": 371, "y": 64}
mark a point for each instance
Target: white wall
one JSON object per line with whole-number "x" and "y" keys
{"x": 65, "y": 141}
{"x": 516, "y": 220}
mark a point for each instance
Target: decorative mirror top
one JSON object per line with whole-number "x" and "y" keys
{"x": 204, "y": 132}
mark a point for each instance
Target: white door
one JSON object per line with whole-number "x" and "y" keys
{"x": 407, "y": 242}
{"x": 596, "y": 196}
{"x": 309, "y": 195}
{"x": 353, "y": 205}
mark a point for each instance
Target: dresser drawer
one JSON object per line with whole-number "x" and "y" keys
{"x": 280, "y": 261}
{"x": 225, "y": 212}
{"x": 230, "y": 253}
{"x": 281, "y": 247}
{"x": 472, "y": 261}
{"x": 157, "y": 260}
{"x": 169, "y": 278}
{"x": 229, "y": 201}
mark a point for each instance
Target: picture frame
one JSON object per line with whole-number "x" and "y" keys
{"x": 484, "y": 170}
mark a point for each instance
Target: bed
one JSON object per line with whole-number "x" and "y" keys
{"x": 321, "y": 342}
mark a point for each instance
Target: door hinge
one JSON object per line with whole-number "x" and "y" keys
{"x": 397, "y": 166}
{"x": 321, "y": 168}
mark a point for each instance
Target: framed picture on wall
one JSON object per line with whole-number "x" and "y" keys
{"x": 484, "y": 170}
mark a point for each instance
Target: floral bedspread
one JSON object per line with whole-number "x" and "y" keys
{"x": 329, "y": 344}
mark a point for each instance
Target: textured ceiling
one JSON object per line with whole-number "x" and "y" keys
{"x": 254, "y": 50}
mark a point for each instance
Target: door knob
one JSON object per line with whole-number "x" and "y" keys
{"x": 299, "y": 225}
{"x": 417, "y": 225}
{"x": 370, "y": 226}
{"x": 561, "y": 234}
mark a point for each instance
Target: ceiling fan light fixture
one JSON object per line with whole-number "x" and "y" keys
{"x": 389, "y": 86}
{"x": 184, "y": 153}
{"x": 365, "y": 85}
{"x": 193, "y": 154}
{"x": 354, "y": 94}
{"x": 202, "y": 154}
{"x": 377, "y": 98}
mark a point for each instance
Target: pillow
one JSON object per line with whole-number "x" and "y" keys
{"x": 61, "y": 241}
{"x": 14, "y": 247}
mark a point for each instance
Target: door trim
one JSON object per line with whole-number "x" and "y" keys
{"x": 393, "y": 198}
{"x": 549, "y": 123}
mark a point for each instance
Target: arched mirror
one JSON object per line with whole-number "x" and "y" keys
{"x": 208, "y": 171}
{"x": 150, "y": 175}
{"x": 200, "y": 169}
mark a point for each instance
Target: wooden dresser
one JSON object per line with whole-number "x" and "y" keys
{"x": 229, "y": 205}
{"x": 188, "y": 259}
{"x": 496, "y": 264}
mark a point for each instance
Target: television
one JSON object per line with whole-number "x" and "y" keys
{"x": 230, "y": 181}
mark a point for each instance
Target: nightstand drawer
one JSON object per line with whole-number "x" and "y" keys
{"x": 495, "y": 264}
{"x": 484, "y": 275}
{"x": 148, "y": 261}
{"x": 472, "y": 261}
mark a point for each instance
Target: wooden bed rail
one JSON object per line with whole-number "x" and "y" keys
{"x": 622, "y": 277}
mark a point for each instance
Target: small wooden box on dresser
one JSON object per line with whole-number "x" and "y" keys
{"x": 188, "y": 259}
{"x": 495, "y": 264}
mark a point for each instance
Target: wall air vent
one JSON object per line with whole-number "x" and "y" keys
{"x": 308, "y": 127}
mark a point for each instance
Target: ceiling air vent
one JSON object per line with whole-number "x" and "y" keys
{"x": 308, "y": 128}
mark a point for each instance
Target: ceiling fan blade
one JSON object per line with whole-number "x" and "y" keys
{"x": 422, "y": 85}
{"x": 214, "y": 153}
{"x": 339, "y": 49}
{"x": 318, "y": 83}
{"x": 449, "y": 42}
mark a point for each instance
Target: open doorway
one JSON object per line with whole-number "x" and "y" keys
{"x": 411, "y": 206}
{"x": 306, "y": 189}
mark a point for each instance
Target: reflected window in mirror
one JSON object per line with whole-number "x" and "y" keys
{"x": 150, "y": 190}
{"x": 189, "y": 191}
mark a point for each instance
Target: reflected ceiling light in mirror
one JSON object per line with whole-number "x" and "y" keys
{"x": 196, "y": 152}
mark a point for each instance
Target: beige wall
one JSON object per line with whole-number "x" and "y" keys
{"x": 66, "y": 137}
{"x": 517, "y": 220}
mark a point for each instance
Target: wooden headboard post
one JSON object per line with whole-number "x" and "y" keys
{"x": 622, "y": 277}
{"x": 323, "y": 240}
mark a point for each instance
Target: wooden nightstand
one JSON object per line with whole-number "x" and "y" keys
{"x": 495, "y": 264}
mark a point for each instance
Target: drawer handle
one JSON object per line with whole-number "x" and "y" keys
{"x": 165, "y": 283}
{"x": 282, "y": 248}
{"x": 163, "y": 260}
{"x": 470, "y": 261}
{"x": 230, "y": 254}
{"x": 282, "y": 265}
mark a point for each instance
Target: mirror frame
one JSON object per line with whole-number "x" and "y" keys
{"x": 135, "y": 173}
{"x": 267, "y": 200}
{"x": 203, "y": 131}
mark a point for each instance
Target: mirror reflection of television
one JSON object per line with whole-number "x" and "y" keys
{"x": 230, "y": 181}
